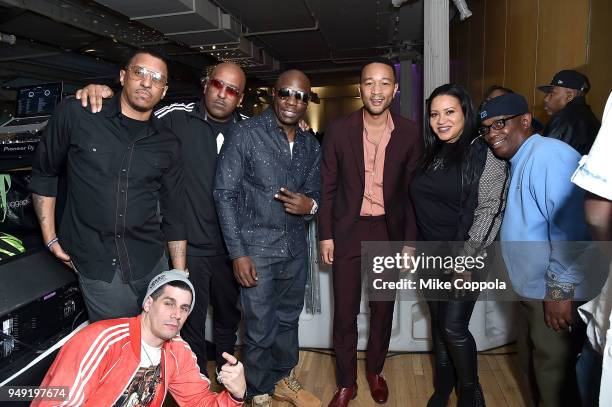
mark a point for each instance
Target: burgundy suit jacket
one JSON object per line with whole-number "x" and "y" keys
{"x": 343, "y": 173}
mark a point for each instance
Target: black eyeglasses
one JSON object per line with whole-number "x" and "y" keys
{"x": 299, "y": 95}
{"x": 496, "y": 125}
{"x": 220, "y": 85}
{"x": 138, "y": 72}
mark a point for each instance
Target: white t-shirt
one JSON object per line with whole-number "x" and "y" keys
{"x": 220, "y": 140}
{"x": 594, "y": 174}
{"x": 149, "y": 355}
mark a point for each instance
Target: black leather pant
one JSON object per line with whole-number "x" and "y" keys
{"x": 455, "y": 353}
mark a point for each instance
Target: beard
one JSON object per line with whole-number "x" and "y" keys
{"x": 144, "y": 106}
{"x": 377, "y": 110}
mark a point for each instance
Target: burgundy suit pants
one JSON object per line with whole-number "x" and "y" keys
{"x": 347, "y": 281}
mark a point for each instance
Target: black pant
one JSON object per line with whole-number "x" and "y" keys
{"x": 455, "y": 352}
{"x": 213, "y": 280}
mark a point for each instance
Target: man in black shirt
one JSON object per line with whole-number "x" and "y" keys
{"x": 572, "y": 119}
{"x": 202, "y": 127}
{"x": 119, "y": 165}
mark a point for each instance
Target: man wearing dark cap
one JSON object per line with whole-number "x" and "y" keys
{"x": 572, "y": 120}
{"x": 543, "y": 207}
{"x": 136, "y": 361}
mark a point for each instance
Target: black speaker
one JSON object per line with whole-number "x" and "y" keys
{"x": 40, "y": 303}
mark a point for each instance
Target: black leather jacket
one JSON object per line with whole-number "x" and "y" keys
{"x": 575, "y": 125}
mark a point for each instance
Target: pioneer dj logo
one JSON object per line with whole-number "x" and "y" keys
{"x": 14, "y": 149}
{"x": 17, "y": 149}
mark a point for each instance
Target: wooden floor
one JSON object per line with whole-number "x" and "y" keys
{"x": 410, "y": 378}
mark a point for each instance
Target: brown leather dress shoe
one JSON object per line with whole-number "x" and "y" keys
{"x": 378, "y": 388}
{"x": 343, "y": 395}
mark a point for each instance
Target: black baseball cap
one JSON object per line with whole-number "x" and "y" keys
{"x": 568, "y": 79}
{"x": 510, "y": 104}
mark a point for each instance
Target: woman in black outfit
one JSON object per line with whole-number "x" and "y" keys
{"x": 458, "y": 194}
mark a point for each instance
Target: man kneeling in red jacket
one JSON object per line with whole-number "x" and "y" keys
{"x": 135, "y": 361}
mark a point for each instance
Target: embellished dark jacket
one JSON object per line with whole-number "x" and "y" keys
{"x": 254, "y": 163}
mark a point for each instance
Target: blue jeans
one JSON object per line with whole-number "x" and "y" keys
{"x": 271, "y": 311}
{"x": 588, "y": 372}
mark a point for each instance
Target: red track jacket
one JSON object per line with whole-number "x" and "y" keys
{"x": 98, "y": 363}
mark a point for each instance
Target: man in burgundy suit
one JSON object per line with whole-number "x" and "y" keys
{"x": 368, "y": 161}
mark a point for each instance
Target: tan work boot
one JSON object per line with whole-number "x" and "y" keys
{"x": 289, "y": 389}
{"x": 261, "y": 400}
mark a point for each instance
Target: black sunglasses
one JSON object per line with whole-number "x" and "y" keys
{"x": 496, "y": 125}
{"x": 299, "y": 95}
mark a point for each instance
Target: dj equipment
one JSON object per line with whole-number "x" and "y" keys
{"x": 18, "y": 148}
{"x": 35, "y": 103}
{"x": 20, "y": 135}
{"x": 40, "y": 303}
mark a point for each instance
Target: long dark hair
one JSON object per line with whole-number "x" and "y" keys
{"x": 432, "y": 144}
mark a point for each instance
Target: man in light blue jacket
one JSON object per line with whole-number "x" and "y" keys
{"x": 542, "y": 233}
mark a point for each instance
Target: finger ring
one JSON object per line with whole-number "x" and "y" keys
{"x": 219, "y": 379}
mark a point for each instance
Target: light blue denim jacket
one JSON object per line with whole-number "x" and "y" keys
{"x": 544, "y": 222}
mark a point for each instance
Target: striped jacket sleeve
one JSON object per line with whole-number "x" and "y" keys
{"x": 489, "y": 212}
{"x": 166, "y": 110}
{"x": 81, "y": 363}
{"x": 188, "y": 386}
